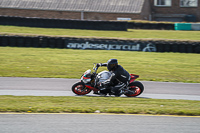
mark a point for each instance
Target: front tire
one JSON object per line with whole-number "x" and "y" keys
{"x": 136, "y": 87}
{"x": 80, "y": 89}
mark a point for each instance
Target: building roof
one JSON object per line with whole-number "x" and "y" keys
{"x": 107, "y": 6}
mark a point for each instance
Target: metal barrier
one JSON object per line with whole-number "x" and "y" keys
{"x": 103, "y": 44}
{"x": 64, "y": 23}
{"x": 157, "y": 26}
{"x": 187, "y": 26}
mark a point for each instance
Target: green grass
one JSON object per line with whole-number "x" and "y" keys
{"x": 68, "y": 63}
{"x": 36, "y": 104}
{"x": 130, "y": 34}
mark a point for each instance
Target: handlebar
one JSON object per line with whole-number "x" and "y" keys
{"x": 95, "y": 68}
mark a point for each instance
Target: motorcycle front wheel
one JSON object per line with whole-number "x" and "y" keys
{"x": 80, "y": 89}
{"x": 136, "y": 88}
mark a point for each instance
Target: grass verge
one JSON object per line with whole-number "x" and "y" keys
{"x": 47, "y": 104}
{"x": 68, "y": 63}
{"x": 131, "y": 34}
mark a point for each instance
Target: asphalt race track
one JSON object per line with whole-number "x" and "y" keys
{"x": 62, "y": 87}
{"x": 98, "y": 123}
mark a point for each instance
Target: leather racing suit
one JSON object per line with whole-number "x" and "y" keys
{"x": 119, "y": 79}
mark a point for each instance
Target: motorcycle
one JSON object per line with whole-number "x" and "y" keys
{"x": 90, "y": 81}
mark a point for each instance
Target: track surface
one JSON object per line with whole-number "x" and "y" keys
{"x": 62, "y": 87}
{"x": 98, "y": 123}
{"x": 106, "y": 123}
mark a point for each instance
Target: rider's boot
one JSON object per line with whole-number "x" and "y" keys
{"x": 103, "y": 92}
{"x": 115, "y": 91}
{"x": 119, "y": 93}
{"x": 96, "y": 92}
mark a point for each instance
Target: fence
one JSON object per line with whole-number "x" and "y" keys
{"x": 63, "y": 23}
{"x": 101, "y": 44}
{"x": 81, "y": 24}
{"x": 157, "y": 26}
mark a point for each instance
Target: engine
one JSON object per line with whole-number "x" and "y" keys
{"x": 103, "y": 76}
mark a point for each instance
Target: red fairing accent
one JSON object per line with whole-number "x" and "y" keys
{"x": 86, "y": 77}
{"x": 132, "y": 80}
{"x": 133, "y": 77}
{"x": 92, "y": 88}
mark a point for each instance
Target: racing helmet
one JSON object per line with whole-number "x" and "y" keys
{"x": 112, "y": 64}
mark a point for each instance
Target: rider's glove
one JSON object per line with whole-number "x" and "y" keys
{"x": 98, "y": 65}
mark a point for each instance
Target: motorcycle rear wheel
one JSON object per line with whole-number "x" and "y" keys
{"x": 80, "y": 89}
{"x": 136, "y": 87}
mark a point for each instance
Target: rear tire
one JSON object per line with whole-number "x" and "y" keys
{"x": 136, "y": 87}
{"x": 80, "y": 89}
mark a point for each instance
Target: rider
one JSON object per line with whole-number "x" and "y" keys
{"x": 119, "y": 77}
